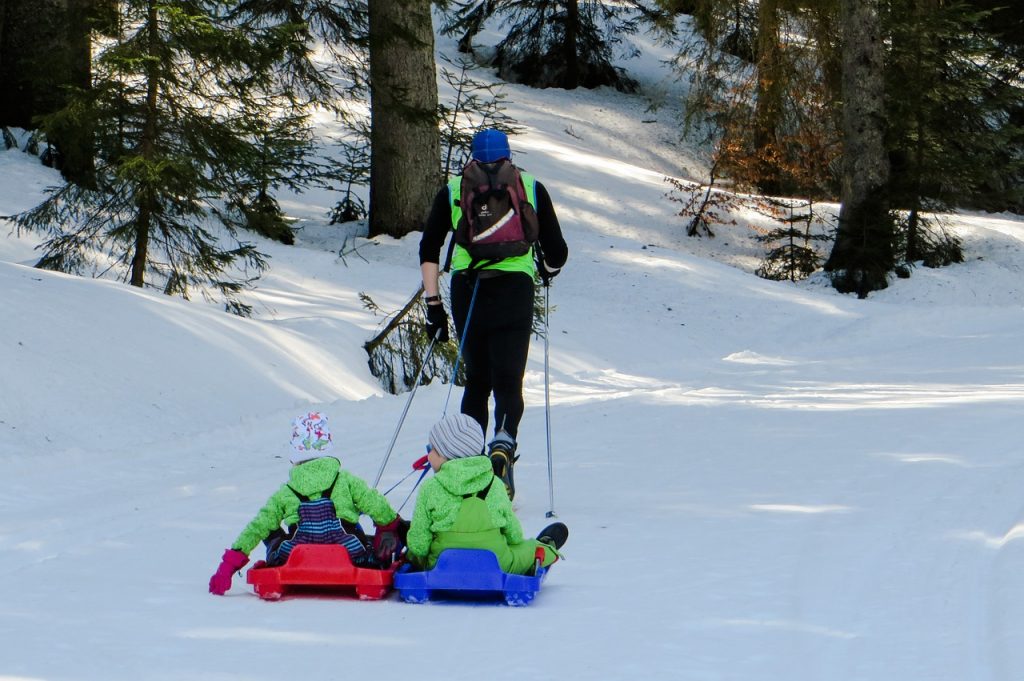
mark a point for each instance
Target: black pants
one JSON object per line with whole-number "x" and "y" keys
{"x": 496, "y": 346}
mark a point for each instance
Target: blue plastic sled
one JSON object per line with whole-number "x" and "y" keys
{"x": 467, "y": 574}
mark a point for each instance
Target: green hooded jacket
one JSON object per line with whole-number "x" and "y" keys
{"x": 438, "y": 524}
{"x": 351, "y": 496}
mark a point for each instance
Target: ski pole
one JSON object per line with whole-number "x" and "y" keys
{"x": 462, "y": 343}
{"x": 401, "y": 420}
{"x": 409, "y": 495}
{"x": 547, "y": 403}
{"x": 417, "y": 465}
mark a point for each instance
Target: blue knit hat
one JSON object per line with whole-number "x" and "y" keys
{"x": 490, "y": 145}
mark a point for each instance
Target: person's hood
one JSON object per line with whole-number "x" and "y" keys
{"x": 465, "y": 476}
{"x": 312, "y": 477}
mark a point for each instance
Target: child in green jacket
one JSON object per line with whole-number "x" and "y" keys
{"x": 465, "y": 506}
{"x": 320, "y": 504}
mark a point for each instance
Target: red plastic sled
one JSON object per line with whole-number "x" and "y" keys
{"x": 319, "y": 567}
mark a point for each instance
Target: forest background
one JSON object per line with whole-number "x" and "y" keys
{"x": 165, "y": 117}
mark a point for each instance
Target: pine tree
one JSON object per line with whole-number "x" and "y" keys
{"x": 170, "y": 139}
{"x": 950, "y": 97}
{"x": 933, "y": 118}
{"x": 772, "y": 113}
{"x": 557, "y": 43}
{"x": 45, "y": 49}
{"x": 352, "y": 170}
{"x": 476, "y": 105}
{"x": 337, "y": 28}
{"x": 398, "y": 352}
{"x": 284, "y": 156}
{"x": 322, "y": 66}
{"x": 729, "y": 26}
{"x": 792, "y": 254}
{"x": 1003, "y": 23}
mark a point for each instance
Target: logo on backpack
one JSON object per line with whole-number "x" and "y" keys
{"x": 497, "y": 221}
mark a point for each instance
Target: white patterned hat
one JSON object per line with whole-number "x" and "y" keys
{"x": 311, "y": 438}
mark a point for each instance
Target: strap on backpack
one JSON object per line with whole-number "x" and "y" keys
{"x": 451, "y": 250}
{"x": 482, "y": 494}
{"x": 474, "y": 265}
{"x": 451, "y": 241}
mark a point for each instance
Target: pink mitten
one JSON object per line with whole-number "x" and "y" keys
{"x": 232, "y": 561}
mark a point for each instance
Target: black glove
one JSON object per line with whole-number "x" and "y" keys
{"x": 437, "y": 323}
{"x": 547, "y": 273}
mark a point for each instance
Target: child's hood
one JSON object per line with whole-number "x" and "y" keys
{"x": 465, "y": 476}
{"x": 314, "y": 476}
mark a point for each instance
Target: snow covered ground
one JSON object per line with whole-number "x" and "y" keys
{"x": 764, "y": 481}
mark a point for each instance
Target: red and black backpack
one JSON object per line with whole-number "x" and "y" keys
{"x": 497, "y": 220}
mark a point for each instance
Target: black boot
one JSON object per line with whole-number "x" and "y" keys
{"x": 502, "y": 453}
{"x": 554, "y": 534}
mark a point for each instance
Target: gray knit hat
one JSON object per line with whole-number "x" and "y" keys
{"x": 457, "y": 436}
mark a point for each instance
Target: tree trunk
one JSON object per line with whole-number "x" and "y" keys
{"x": 768, "y": 110}
{"x": 914, "y": 183}
{"x": 405, "y": 148}
{"x": 146, "y": 199}
{"x": 33, "y": 45}
{"x": 18, "y": 53}
{"x": 862, "y": 255}
{"x": 45, "y": 46}
{"x": 572, "y": 54}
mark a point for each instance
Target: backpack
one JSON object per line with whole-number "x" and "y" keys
{"x": 318, "y": 524}
{"x": 497, "y": 220}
